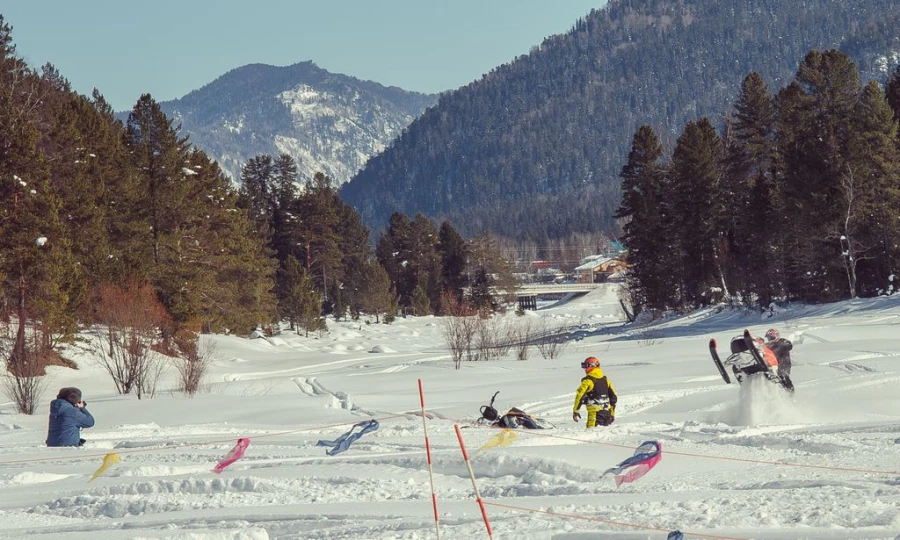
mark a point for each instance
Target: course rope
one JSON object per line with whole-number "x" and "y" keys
{"x": 606, "y": 521}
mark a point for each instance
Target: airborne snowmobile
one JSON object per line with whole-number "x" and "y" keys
{"x": 749, "y": 357}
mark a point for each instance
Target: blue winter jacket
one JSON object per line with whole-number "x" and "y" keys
{"x": 66, "y": 421}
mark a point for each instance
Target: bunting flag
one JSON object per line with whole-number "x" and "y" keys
{"x": 645, "y": 457}
{"x": 233, "y": 455}
{"x": 108, "y": 461}
{"x": 504, "y": 438}
{"x": 344, "y": 441}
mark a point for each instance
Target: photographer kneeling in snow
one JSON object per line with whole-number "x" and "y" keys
{"x": 68, "y": 414}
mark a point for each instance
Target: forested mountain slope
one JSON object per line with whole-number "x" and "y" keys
{"x": 533, "y": 150}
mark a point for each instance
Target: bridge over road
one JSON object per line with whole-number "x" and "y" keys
{"x": 527, "y": 294}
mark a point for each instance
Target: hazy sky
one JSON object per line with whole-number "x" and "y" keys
{"x": 170, "y": 47}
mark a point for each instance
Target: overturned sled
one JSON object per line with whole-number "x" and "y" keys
{"x": 514, "y": 418}
{"x": 748, "y": 359}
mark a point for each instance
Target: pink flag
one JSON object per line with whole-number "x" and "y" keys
{"x": 638, "y": 471}
{"x": 645, "y": 457}
{"x": 233, "y": 455}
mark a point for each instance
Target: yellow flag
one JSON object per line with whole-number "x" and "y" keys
{"x": 504, "y": 438}
{"x": 108, "y": 461}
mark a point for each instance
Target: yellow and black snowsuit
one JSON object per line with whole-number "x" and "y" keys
{"x": 600, "y": 397}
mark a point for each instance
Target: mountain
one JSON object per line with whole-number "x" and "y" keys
{"x": 328, "y": 122}
{"x": 533, "y": 150}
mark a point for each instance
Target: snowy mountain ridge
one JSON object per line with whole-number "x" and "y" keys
{"x": 328, "y": 122}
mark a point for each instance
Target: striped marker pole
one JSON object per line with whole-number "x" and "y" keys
{"x": 478, "y": 498}
{"x": 437, "y": 527}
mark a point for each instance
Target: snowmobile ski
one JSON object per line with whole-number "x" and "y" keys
{"x": 718, "y": 361}
{"x": 751, "y": 346}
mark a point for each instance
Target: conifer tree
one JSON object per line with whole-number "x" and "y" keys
{"x": 353, "y": 243}
{"x": 893, "y": 93}
{"x": 454, "y": 253}
{"x": 491, "y": 275}
{"x": 232, "y": 272}
{"x": 748, "y": 213}
{"x": 644, "y": 206}
{"x": 873, "y": 172}
{"x": 480, "y": 296}
{"x": 696, "y": 193}
{"x": 36, "y": 256}
{"x": 392, "y": 253}
{"x": 299, "y": 302}
{"x": 420, "y": 303}
{"x": 374, "y": 294}
{"x": 254, "y": 195}
{"x": 814, "y": 120}
{"x": 314, "y": 232}
{"x": 159, "y": 154}
{"x": 197, "y": 236}
{"x": 424, "y": 266}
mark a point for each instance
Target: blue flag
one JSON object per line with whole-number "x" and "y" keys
{"x": 344, "y": 441}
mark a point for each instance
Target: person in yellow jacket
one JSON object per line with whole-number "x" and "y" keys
{"x": 597, "y": 393}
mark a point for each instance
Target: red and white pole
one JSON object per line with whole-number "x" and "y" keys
{"x": 437, "y": 527}
{"x": 478, "y": 498}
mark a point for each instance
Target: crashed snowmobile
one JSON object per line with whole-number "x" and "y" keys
{"x": 514, "y": 418}
{"x": 749, "y": 357}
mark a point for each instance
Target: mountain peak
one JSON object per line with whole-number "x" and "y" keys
{"x": 329, "y": 122}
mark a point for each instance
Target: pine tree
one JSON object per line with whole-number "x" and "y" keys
{"x": 814, "y": 120}
{"x": 159, "y": 154}
{"x": 893, "y": 94}
{"x": 36, "y": 256}
{"x": 747, "y": 211}
{"x": 696, "y": 192}
{"x": 480, "y": 296}
{"x": 424, "y": 268}
{"x": 198, "y": 239}
{"x": 299, "y": 302}
{"x": 254, "y": 195}
{"x": 420, "y": 303}
{"x": 492, "y": 279}
{"x": 873, "y": 172}
{"x": 454, "y": 253}
{"x": 644, "y": 208}
{"x": 232, "y": 273}
{"x": 314, "y": 232}
{"x": 392, "y": 253}
{"x": 353, "y": 243}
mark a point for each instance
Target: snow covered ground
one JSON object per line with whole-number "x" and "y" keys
{"x": 738, "y": 462}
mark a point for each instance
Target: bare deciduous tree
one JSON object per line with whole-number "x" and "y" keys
{"x": 852, "y": 250}
{"x": 24, "y": 382}
{"x": 521, "y": 336}
{"x": 551, "y": 341}
{"x": 128, "y": 328}
{"x": 459, "y": 328}
{"x": 193, "y": 363}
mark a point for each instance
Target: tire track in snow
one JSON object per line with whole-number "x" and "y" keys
{"x": 341, "y": 400}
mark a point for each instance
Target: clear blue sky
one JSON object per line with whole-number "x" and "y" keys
{"x": 170, "y": 47}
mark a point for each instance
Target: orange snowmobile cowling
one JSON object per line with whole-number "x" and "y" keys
{"x": 769, "y": 356}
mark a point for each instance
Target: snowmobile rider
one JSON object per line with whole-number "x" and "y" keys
{"x": 68, "y": 414}
{"x": 597, "y": 393}
{"x": 782, "y": 349}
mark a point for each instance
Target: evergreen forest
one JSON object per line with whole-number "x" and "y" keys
{"x": 796, "y": 198}
{"x": 532, "y": 151}
{"x": 103, "y": 218}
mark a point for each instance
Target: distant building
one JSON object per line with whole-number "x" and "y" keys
{"x": 598, "y": 268}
